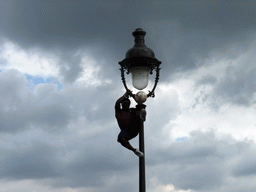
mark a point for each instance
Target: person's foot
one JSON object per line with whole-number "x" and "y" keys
{"x": 143, "y": 114}
{"x": 138, "y": 153}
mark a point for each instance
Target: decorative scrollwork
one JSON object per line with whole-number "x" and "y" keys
{"x": 152, "y": 92}
{"x": 123, "y": 77}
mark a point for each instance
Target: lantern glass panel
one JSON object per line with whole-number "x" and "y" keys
{"x": 140, "y": 77}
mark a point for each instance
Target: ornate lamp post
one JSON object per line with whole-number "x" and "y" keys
{"x": 140, "y": 61}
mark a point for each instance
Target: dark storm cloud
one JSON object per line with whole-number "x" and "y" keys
{"x": 50, "y": 23}
{"x": 64, "y": 27}
{"x": 40, "y": 21}
{"x": 187, "y": 31}
{"x": 180, "y": 32}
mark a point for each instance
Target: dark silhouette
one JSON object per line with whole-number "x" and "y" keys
{"x": 129, "y": 121}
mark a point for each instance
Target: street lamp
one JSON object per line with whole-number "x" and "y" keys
{"x": 140, "y": 61}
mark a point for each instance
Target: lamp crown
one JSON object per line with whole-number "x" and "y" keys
{"x": 139, "y": 33}
{"x": 139, "y": 49}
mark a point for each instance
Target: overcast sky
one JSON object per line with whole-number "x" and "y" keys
{"x": 60, "y": 78}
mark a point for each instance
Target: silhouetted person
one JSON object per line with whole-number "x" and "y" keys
{"x": 129, "y": 121}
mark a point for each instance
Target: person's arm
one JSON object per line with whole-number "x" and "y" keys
{"x": 130, "y": 94}
{"x": 120, "y": 100}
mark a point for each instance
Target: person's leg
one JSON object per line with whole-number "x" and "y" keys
{"x": 124, "y": 138}
{"x": 124, "y": 142}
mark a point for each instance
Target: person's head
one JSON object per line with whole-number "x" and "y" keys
{"x": 126, "y": 104}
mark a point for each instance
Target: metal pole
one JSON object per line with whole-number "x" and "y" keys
{"x": 142, "y": 179}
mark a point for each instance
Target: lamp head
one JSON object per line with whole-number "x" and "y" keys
{"x": 140, "y": 61}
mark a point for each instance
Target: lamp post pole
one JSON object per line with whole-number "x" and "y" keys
{"x": 142, "y": 173}
{"x": 140, "y": 61}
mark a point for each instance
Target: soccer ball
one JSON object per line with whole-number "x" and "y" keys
{"x": 140, "y": 97}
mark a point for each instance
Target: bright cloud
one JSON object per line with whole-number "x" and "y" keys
{"x": 32, "y": 62}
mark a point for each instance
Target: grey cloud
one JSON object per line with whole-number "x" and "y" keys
{"x": 204, "y": 97}
{"x": 245, "y": 165}
{"x": 52, "y": 111}
{"x": 30, "y": 164}
{"x": 200, "y": 177}
{"x": 203, "y": 162}
{"x": 47, "y": 107}
{"x": 70, "y": 66}
{"x": 207, "y": 79}
{"x": 12, "y": 94}
{"x": 245, "y": 169}
{"x": 187, "y": 34}
{"x": 68, "y": 160}
{"x": 51, "y": 117}
{"x": 92, "y": 170}
{"x": 237, "y": 86}
{"x": 20, "y": 107}
{"x": 181, "y": 50}
{"x": 185, "y": 152}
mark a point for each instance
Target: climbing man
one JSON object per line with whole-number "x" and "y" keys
{"x": 129, "y": 121}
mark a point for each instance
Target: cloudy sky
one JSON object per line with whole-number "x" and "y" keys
{"x": 59, "y": 80}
